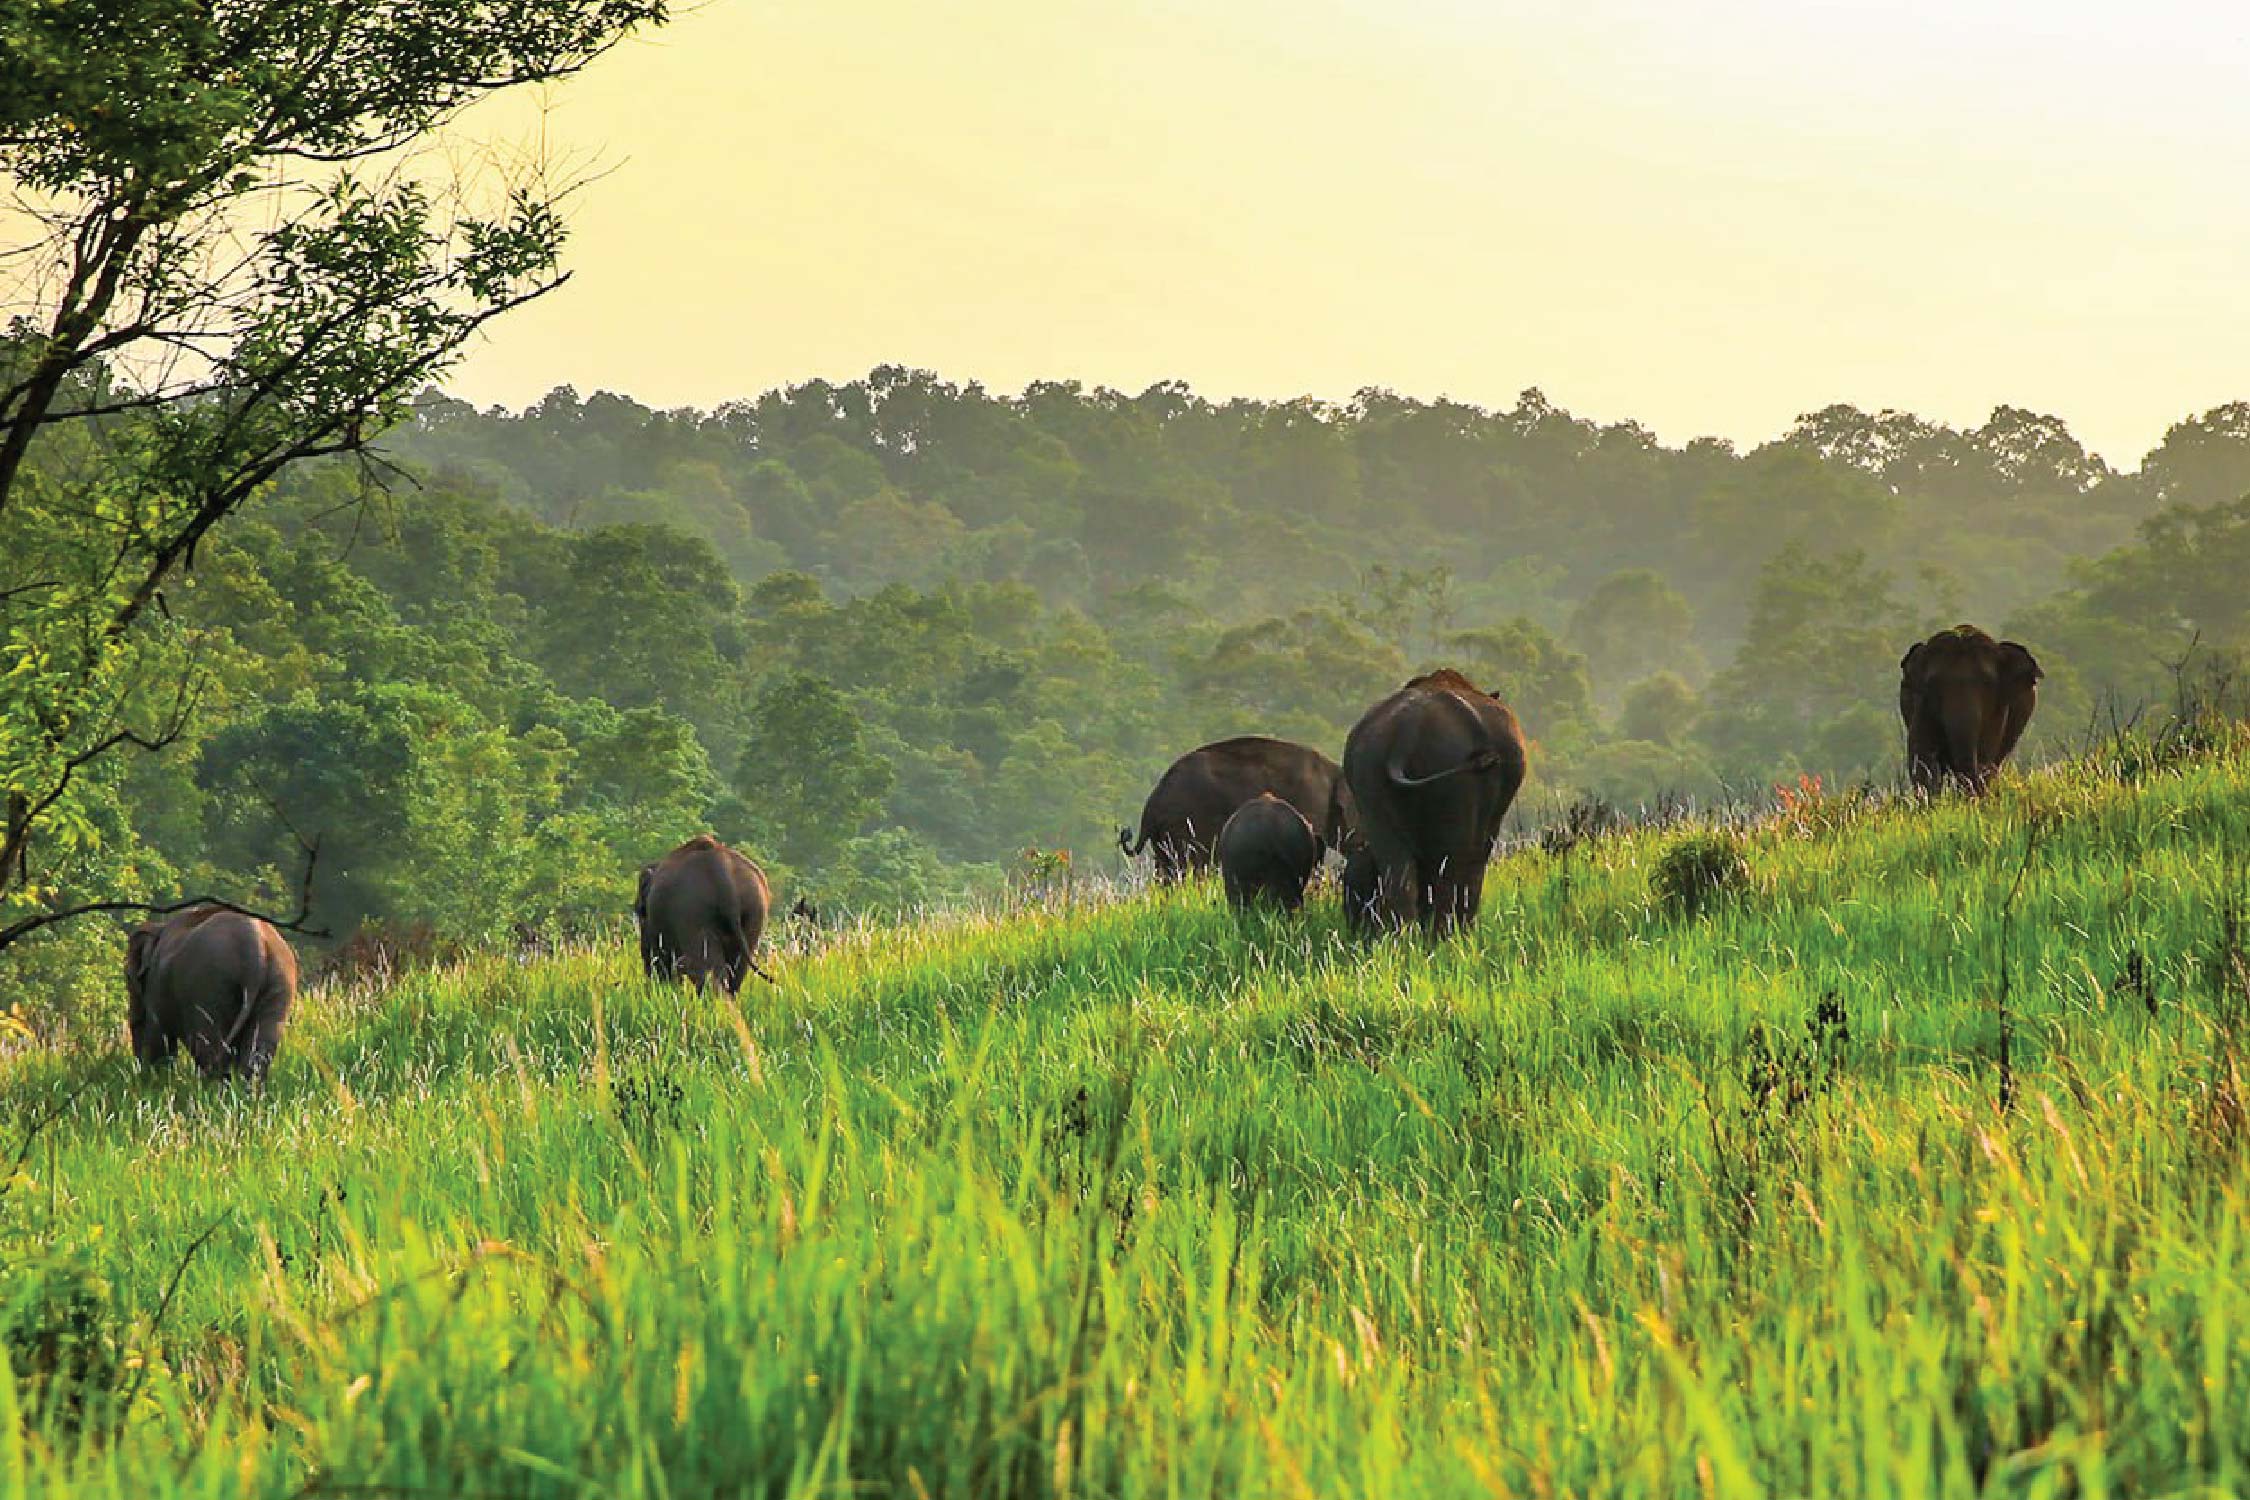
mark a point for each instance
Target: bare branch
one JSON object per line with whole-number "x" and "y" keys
{"x": 26, "y": 926}
{"x": 37, "y": 1127}
{"x": 342, "y": 435}
{"x": 163, "y": 1306}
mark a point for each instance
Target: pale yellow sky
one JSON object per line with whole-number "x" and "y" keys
{"x": 1708, "y": 216}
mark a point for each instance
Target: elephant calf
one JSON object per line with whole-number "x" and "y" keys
{"x": 701, "y": 910}
{"x": 1267, "y": 852}
{"x": 219, "y": 982}
{"x": 1965, "y": 698}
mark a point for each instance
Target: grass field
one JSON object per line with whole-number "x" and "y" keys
{"x": 1911, "y": 1165}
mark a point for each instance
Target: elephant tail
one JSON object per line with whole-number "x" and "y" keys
{"x": 1125, "y": 842}
{"x": 253, "y": 1000}
{"x": 744, "y": 946}
{"x": 1483, "y": 760}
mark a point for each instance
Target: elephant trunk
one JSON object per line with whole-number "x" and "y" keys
{"x": 1963, "y": 717}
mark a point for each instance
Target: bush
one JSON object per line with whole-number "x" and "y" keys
{"x": 2135, "y": 753}
{"x": 1589, "y": 820}
{"x": 379, "y": 952}
{"x": 1700, "y": 869}
{"x": 59, "y": 1326}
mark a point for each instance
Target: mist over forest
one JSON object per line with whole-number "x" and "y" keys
{"x": 902, "y": 637}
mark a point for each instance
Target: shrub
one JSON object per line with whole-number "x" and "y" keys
{"x": 1588, "y": 820}
{"x": 378, "y": 953}
{"x": 59, "y": 1326}
{"x": 1699, "y": 869}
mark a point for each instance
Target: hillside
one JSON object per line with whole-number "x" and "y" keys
{"x": 1913, "y": 1163}
{"x": 489, "y": 683}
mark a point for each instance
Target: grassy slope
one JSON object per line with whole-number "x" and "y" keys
{"x": 1138, "y": 1201}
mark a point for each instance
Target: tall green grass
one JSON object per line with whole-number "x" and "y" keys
{"x": 1616, "y": 1195}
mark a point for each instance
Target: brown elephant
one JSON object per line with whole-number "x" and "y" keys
{"x": 701, "y": 910}
{"x": 1268, "y": 852}
{"x": 1965, "y": 698}
{"x": 219, "y": 982}
{"x": 1433, "y": 769}
{"x": 1194, "y": 798}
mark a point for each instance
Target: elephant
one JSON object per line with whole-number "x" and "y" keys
{"x": 1965, "y": 698}
{"x": 701, "y": 910}
{"x": 1361, "y": 885}
{"x": 219, "y": 981}
{"x": 1194, "y": 798}
{"x": 1433, "y": 769}
{"x": 1267, "y": 852}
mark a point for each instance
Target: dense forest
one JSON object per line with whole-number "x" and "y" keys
{"x": 903, "y": 639}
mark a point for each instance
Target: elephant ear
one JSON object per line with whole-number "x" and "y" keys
{"x": 2019, "y": 669}
{"x": 140, "y": 953}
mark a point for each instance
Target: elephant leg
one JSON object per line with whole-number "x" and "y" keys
{"x": 1964, "y": 722}
{"x": 261, "y": 1042}
{"x": 2013, "y": 717}
{"x": 699, "y": 961}
{"x": 736, "y": 971}
{"x": 153, "y": 1043}
{"x": 206, "y": 1037}
{"x": 1458, "y": 894}
{"x": 1398, "y": 894}
{"x": 1439, "y": 897}
{"x": 1925, "y": 755}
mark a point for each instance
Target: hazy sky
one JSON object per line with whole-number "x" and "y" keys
{"x": 1707, "y": 214}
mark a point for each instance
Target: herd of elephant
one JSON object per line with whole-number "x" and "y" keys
{"x": 1414, "y": 811}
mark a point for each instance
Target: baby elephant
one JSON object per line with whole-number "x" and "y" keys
{"x": 1267, "y": 851}
{"x": 220, "y": 982}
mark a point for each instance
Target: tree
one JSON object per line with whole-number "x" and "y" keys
{"x": 888, "y": 872}
{"x": 1821, "y": 653}
{"x": 226, "y": 280}
{"x": 1537, "y": 676}
{"x": 647, "y": 617}
{"x": 2174, "y": 599}
{"x": 1637, "y": 773}
{"x": 1297, "y": 675}
{"x": 1661, "y": 710}
{"x": 1782, "y": 496}
{"x": 2031, "y": 451}
{"x": 344, "y": 768}
{"x": 2204, "y": 460}
{"x": 1634, "y": 624}
{"x": 808, "y": 775}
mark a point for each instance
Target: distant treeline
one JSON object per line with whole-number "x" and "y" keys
{"x": 891, "y": 635}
